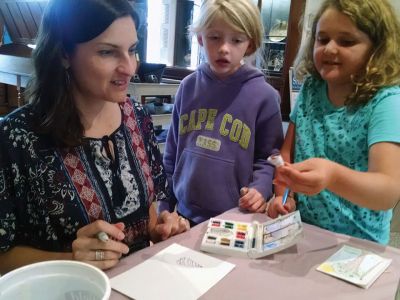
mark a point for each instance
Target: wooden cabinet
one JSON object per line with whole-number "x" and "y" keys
{"x": 14, "y": 75}
{"x": 21, "y": 18}
{"x": 281, "y": 20}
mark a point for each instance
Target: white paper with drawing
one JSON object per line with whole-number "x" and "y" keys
{"x": 174, "y": 273}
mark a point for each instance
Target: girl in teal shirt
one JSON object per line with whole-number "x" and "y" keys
{"x": 342, "y": 145}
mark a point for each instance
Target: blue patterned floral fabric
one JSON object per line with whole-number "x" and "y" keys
{"x": 344, "y": 135}
{"x": 47, "y": 194}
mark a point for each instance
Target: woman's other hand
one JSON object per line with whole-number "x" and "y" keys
{"x": 169, "y": 224}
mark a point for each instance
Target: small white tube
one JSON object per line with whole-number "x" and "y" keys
{"x": 276, "y": 159}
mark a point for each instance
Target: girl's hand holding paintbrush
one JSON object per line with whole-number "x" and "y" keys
{"x": 283, "y": 203}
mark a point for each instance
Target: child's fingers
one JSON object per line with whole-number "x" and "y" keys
{"x": 262, "y": 207}
{"x": 273, "y": 211}
{"x": 243, "y": 191}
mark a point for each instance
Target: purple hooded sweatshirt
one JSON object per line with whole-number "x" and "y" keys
{"x": 221, "y": 134}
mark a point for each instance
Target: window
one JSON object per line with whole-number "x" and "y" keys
{"x": 161, "y": 31}
{"x": 168, "y": 40}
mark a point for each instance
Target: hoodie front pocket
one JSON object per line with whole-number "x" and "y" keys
{"x": 206, "y": 182}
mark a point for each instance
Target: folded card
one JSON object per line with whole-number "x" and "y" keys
{"x": 358, "y": 266}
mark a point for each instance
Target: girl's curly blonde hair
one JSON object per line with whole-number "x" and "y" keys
{"x": 377, "y": 19}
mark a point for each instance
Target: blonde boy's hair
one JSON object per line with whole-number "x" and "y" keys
{"x": 377, "y": 19}
{"x": 242, "y": 15}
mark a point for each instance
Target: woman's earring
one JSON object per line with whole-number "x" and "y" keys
{"x": 67, "y": 78}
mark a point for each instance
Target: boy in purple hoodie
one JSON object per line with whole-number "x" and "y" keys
{"x": 226, "y": 120}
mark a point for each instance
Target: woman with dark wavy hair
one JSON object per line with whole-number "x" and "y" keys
{"x": 81, "y": 158}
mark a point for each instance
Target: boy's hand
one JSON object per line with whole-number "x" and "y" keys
{"x": 252, "y": 200}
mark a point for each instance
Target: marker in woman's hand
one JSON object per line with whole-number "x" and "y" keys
{"x": 102, "y": 236}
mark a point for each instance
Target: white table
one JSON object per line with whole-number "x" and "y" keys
{"x": 289, "y": 274}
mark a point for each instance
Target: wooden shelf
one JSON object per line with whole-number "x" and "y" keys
{"x": 161, "y": 119}
{"x": 142, "y": 90}
{"x": 15, "y": 70}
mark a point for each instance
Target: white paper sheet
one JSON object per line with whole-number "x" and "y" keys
{"x": 174, "y": 273}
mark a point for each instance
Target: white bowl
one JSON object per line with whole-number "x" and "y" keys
{"x": 55, "y": 280}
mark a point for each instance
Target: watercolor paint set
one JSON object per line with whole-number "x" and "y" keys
{"x": 254, "y": 239}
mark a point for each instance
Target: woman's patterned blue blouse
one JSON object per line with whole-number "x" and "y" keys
{"x": 47, "y": 193}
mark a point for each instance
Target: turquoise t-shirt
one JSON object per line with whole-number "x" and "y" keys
{"x": 344, "y": 135}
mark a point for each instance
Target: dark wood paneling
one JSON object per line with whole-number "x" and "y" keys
{"x": 22, "y": 18}
{"x": 293, "y": 42}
